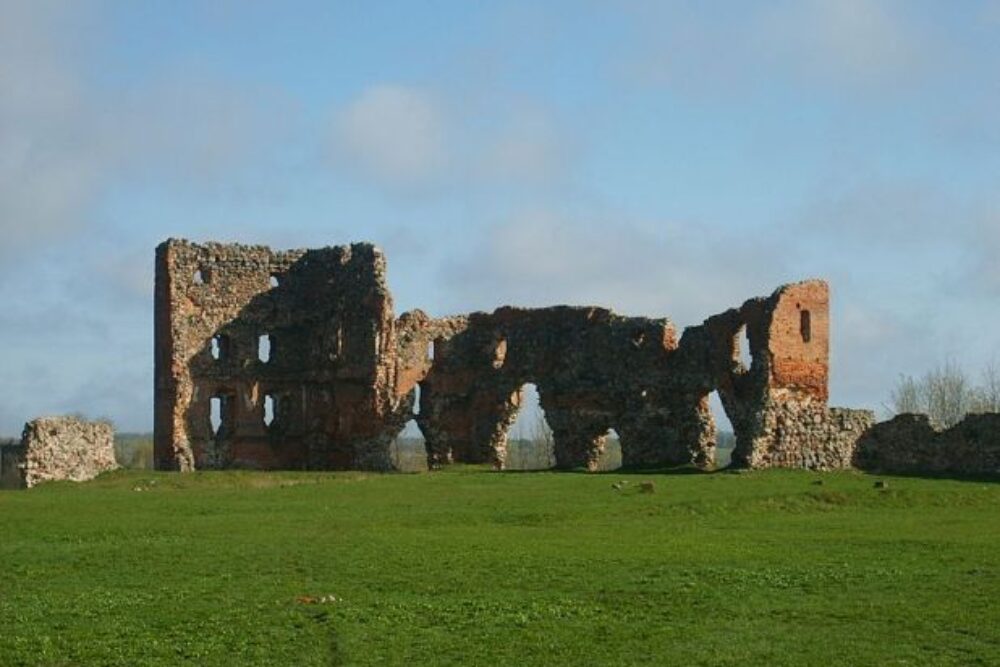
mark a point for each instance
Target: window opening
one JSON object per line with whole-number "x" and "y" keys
{"x": 270, "y": 409}
{"x": 743, "y": 354}
{"x": 220, "y": 347}
{"x": 264, "y": 348}
{"x": 217, "y": 406}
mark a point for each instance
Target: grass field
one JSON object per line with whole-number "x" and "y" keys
{"x": 471, "y": 567}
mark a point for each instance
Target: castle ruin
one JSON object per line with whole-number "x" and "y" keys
{"x": 296, "y": 360}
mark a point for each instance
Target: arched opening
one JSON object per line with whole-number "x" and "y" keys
{"x": 530, "y": 444}
{"x": 805, "y": 325}
{"x": 270, "y": 409}
{"x": 199, "y": 277}
{"x": 725, "y": 435}
{"x": 408, "y": 451}
{"x": 273, "y": 280}
{"x": 430, "y": 350}
{"x": 220, "y": 347}
{"x": 265, "y": 347}
{"x": 611, "y": 457}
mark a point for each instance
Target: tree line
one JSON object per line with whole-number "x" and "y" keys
{"x": 947, "y": 393}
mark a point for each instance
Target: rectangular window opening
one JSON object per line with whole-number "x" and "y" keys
{"x": 265, "y": 348}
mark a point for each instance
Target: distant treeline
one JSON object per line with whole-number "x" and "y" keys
{"x": 134, "y": 450}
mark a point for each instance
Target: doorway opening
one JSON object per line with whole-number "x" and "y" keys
{"x": 725, "y": 435}
{"x": 530, "y": 443}
{"x": 408, "y": 450}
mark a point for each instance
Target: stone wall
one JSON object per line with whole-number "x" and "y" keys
{"x": 810, "y": 435}
{"x": 597, "y": 371}
{"x": 594, "y": 370}
{"x": 273, "y": 359}
{"x": 910, "y": 444}
{"x": 343, "y": 373}
{"x": 59, "y": 448}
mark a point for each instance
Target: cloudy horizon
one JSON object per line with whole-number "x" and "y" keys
{"x": 668, "y": 159}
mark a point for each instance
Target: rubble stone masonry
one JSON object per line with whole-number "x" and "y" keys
{"x": 296, "y": 360}
{"x": 58, "y": 448}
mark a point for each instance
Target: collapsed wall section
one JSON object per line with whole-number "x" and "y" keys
{"x": 273, "y": 359}
{"x": 909, "y": 443}
{"x": 58, "y": 448}
{"x": 595, "y": 371}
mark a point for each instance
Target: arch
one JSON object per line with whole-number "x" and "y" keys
{"x": 529, "y": 439}
{"x": 408, "y": 450}
{"x": 725, "y": 433}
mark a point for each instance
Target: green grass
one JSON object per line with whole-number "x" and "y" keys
{"x": 469, "y": 567}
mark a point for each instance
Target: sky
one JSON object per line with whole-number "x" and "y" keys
{"x": 660, "y": 158}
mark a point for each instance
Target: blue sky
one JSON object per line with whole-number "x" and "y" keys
{"x": 662, "y": 158}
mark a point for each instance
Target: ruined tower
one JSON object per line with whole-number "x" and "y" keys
{"x": 272, "y": 359}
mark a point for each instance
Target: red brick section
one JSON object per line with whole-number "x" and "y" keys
{"x": 799, "y": 339}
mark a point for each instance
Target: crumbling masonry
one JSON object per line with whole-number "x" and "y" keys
{"x": 57, "y": 448}
{"x": 295, "y": 360}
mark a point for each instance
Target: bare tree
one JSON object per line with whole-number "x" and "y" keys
{"x": 945, "y": 394}
{"x": 949, "y": 394}
{"x": 906, "y": 396}
{"x": 987, "y": 395}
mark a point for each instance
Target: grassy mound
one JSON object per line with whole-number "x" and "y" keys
{"x": 470, "y": 567}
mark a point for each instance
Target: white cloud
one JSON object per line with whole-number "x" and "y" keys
{"x": 851, "y": 41}
{"x": 872, "y": 45}
{"x": 65, "y": 142}
{"x": 395, "y": 135}
{"x": 663, "y": 269}
{"x": 529, "y": 150}
{"x": 408, "y": 140}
